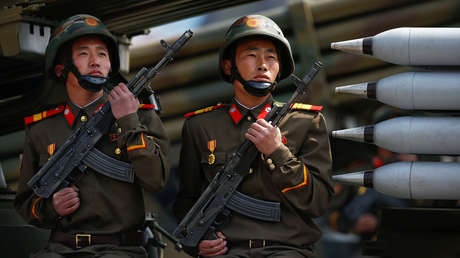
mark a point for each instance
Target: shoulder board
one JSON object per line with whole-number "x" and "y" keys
{"x": 301, "y": 106}
{"x": 278, "y": 103}
{"x": 42, "y": 115}
{"x": 147, "y": 106}
{"x": 204, "y": 110}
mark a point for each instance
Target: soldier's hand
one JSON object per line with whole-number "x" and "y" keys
{"x": 122, "y": 101}
{"x": 266, "y": 137}
{"x": 210, "y": 248}
{"x": 66, "y": 200}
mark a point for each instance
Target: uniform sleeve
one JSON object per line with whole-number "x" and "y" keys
{"x": 35, "y": 210}
{"x": 304, "y": 179}
{"x": 144, "y": 139}
{"x": 190, "y": 174}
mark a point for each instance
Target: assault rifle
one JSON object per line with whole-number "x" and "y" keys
{"x": 77, "y": 153}
{"x": 220, "y": 197}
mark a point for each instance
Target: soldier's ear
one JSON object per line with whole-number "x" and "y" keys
{"x": 227, "y": 66}
{"x": 58, "y": 69}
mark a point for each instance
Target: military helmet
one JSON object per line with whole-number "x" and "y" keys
{"x": 77, "y": 26}
{"x": 259, "y": 26}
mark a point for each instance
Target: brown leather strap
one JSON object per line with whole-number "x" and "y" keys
{"x": 131, "y": 238}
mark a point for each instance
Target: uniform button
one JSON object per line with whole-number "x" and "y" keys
{"x": 269, "y": 161}
{"x": 83, "y": 118}
{"x": 117, "y": 151}
{"x": 119, "y": 130}
{"x": 251, "y": 171}
{"x": 249, "y": 118}
{"x": 271, "y": 166}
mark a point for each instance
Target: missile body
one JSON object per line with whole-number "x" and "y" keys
{"x": 410, "y": 180}
{"x": 416, "y": 135}
{"x": 409, "y": 46}
{"x": 412, "y": 90}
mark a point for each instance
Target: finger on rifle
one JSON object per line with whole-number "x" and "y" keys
{"x": 69, "y": 203}
{"x": 223, "y": 251}
{"x": 221, "y": 235}
{"x": 264, "y": 123}
{"x": 212, "y": 247}
{"x": 69, "y": 209}
{"x": 64, "y": 191}
{"x": 124, "y": 88}
{"x": 259, "y": 127}
{"x": 254, "y": 133}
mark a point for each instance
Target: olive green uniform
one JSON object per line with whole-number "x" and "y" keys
{"x": 107, "y": 206}
{"x": 296, "y": 174}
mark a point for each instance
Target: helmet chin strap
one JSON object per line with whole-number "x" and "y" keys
{"x": 255, "y": 88}
{"x": 88, "y": 82}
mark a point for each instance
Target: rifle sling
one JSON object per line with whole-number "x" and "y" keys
{"x": 109, "y": 166}
{"x": 254, "y": 208}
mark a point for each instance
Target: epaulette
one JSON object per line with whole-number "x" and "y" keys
{"x": 147, "y": 106}
{"x": 42, "y": 115}
{"x": 301, "y": 106}
{"x": 204, "y": 110}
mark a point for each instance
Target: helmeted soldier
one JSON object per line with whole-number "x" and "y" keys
{"x": 100, "y": 214}
{"x": 294, "y": 162}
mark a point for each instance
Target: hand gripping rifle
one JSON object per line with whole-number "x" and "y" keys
{"x": 78, "y": 151}
{"x": 221, "y": 196}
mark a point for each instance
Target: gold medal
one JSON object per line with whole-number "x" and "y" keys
{"x": 211, "y": 159}
{"x": 211, "y": 148}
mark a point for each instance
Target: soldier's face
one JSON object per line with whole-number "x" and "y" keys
{"x": 91, "y": 56}
{"x": 257, "y": 60}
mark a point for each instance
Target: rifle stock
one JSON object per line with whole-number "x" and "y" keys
{"x": 200, "y": 221}
{"x": 65, "y": 167}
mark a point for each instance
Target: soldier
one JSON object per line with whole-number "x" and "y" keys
{"x": 294, "y": 162}
{"x": 98, "y": 216}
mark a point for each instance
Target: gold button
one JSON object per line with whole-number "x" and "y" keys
{"x": 249, "y": 118}
{"x": 269, "y": 161}
{"x": 119, "y": 130}
{"x": 271, "y": 166}
{"x": 250, "y": 171}
{"x": 83, "y": 119}
{"x": 117, "y": 151}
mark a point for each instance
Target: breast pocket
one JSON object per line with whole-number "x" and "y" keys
{"x": 212, "y": 163}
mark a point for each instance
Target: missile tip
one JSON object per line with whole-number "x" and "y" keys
{"x": 333, "y": 45}
{"x": 356, "y": 178}
{"x": 359, "y": 89}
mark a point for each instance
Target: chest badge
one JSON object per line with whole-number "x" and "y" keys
{"x": 211, "y": 148}
{"x": 51, "y": 148}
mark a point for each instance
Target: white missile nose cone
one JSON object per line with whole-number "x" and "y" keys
{"x": 355, "y": 89}
{"x": 354, "y": 46}
{"x": 354, "y": 134}
{"x": 356, "y": 178}
{"x": 333, "y": 45}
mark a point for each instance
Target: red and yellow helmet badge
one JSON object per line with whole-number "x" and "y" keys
{"x": 91, "y": 22}
{"x": 252, "y": 23}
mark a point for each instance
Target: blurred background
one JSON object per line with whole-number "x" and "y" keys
{"x": 192, "y": 81}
